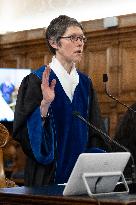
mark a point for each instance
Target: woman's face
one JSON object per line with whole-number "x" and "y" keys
{"x": 71, "y": 45}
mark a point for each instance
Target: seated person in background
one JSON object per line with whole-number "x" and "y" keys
{"x": 126, "y": 135}
{"x": 7, "y": 89}
{"x": 50, "y": 135}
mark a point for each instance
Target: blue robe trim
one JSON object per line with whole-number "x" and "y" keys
{"x": 67, "y": 133}
{"x": 43, "y": 152}
{"x": 95, "y": 150}
{"x": 39, "y": 72}
{"x": 71, "y": 132}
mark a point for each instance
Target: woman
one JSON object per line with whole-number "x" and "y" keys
{"x": 50, "y": 135}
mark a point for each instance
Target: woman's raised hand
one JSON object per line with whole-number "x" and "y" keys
{"x": 47, "y": 91}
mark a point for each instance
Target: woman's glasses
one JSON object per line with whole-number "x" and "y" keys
{"x": 75, "y": 38}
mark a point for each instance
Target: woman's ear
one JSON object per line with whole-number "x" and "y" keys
{"x": 53, "y": 43}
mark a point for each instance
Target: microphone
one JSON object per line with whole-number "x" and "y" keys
{"x": 105, "y": 80}
{"x": 108, "y": 138}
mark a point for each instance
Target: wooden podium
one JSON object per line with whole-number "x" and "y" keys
{"x": 52, "y": 195}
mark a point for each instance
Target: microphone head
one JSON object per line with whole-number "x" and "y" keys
{"x": 105, "y": 77}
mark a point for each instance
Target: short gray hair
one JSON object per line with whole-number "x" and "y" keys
{"x": 57, "y": 28}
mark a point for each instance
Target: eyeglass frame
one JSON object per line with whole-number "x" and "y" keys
{"x": 75, "y": 38}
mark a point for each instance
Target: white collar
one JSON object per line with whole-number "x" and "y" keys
{"x": 68, "y": 81}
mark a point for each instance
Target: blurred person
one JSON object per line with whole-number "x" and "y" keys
{"x": 7, "y": 89}
{"x": 125, "y": 134}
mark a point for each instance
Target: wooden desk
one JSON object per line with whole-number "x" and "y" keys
{"x": 52, "y": 195}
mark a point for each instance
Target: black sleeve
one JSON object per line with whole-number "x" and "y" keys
{"x": 29, "y": 97}
{"x": 28, "y": 100}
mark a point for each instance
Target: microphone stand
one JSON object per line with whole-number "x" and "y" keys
{"x": 77, "y": 114}
{"x": 105, "y": 80}
{"x": 132, "y": 186}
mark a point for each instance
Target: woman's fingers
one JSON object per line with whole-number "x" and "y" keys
{"x": 53, "y": 83}
{"x": 45, "y": 79}
{"x": 47, "y": 90}
{"x": 47, "y": 71}
{"x": 45, "y": 76}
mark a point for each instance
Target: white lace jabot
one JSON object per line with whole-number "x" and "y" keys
{"x": 68, "y": 81}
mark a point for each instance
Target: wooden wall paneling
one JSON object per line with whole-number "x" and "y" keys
{"x": 100, "y": 52}
{"x": 112, "y": 69}
{"x": 82, "y": 66}
{"x": 47, "y": 58}
{"x": 128, "y": 74}
{"x": 96, "y": 59}
{"x": 97, "y": 66}
{"x": 128, "y": 64}
{"x": 9, "y": 63}
{"x": 35, "y": 61}
{"x": 113, "y": 121}
{"x": 22, "y": 61}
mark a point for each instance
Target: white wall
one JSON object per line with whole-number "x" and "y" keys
{"x": 26, "y": 14}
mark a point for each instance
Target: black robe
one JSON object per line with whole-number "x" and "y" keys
{"x": 29, "y": 98}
